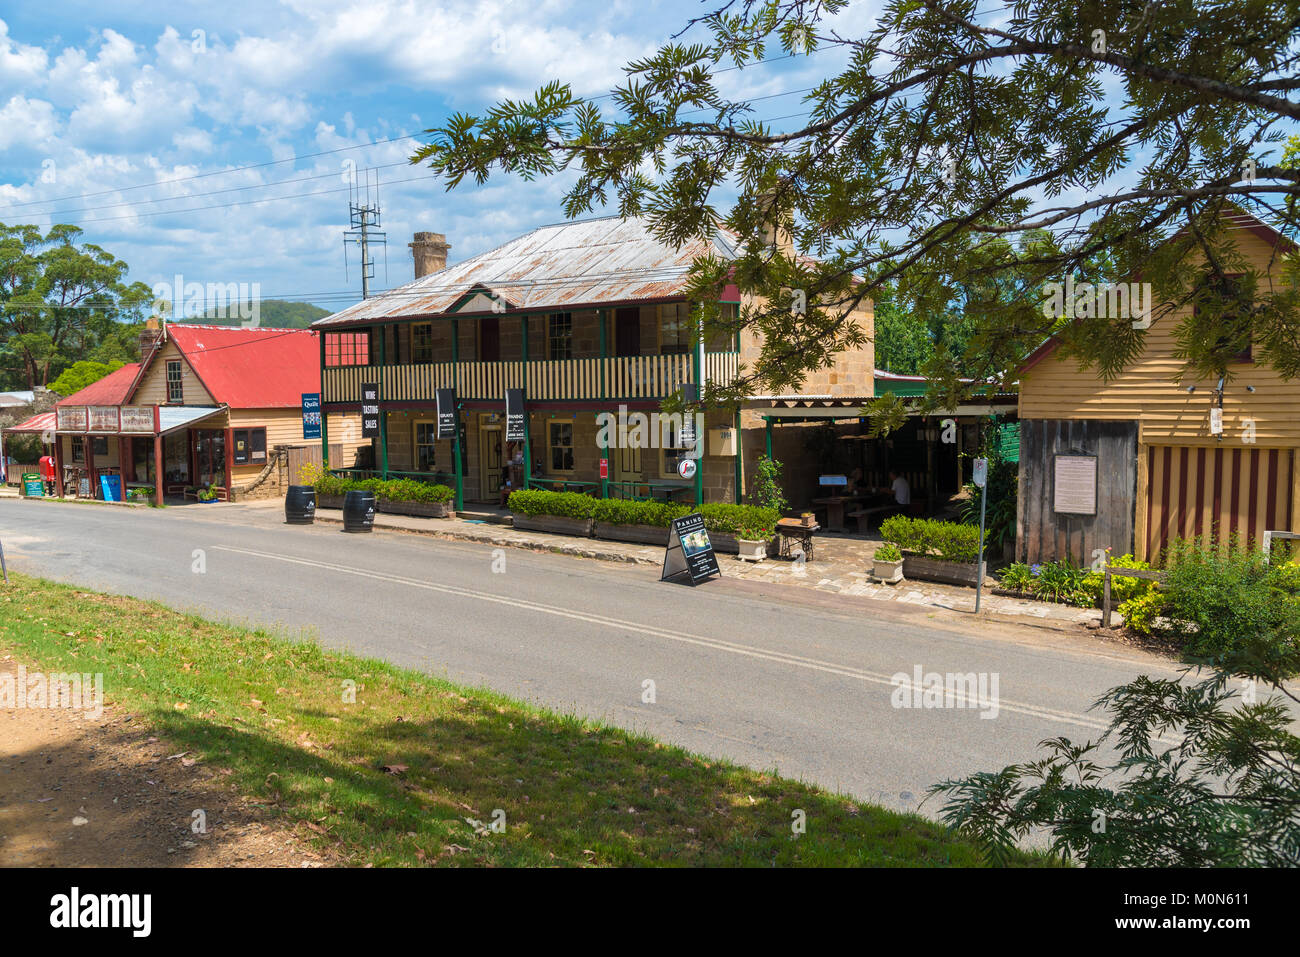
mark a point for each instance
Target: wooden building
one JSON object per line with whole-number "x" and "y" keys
{"x": 586, "y": 318}
{"x": 206, "y": 407}
{"x": 1137, "y": 462}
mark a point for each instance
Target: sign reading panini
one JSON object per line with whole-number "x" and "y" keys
{"x": 71, "y": 418}
{"x": 103, "y": 418}
{"x": 137, "y": 418}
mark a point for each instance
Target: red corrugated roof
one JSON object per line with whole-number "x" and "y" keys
{"x": 41, "y": 422}
{"x": 110, "y": 390}
{"x": 251, "y": 368}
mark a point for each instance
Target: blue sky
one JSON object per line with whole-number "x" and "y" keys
{"x": 108, "y": 104}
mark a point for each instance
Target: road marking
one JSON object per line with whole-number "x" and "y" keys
{"x": 717, "y": 644}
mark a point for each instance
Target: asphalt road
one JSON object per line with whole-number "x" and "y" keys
{"x": 768, "y": 676}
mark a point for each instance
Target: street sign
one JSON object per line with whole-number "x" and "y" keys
{"x": 689, "y": 551}
{"x": 686, "y": 468}
{"x": 981, "y": 474}
{"x": 311, "y": 415}
{"x": 370, "y": 410}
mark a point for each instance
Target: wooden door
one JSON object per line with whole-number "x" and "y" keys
{"x": 627, "y": 332}
{"x": 489, "y": 339}
{"x": 490, "y": 463}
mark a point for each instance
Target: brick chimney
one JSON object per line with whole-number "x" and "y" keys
{"x": 430, "y": 251}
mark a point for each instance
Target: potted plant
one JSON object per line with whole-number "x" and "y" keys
{"x": 808, "y": 518}
{"x": 753, "y": 541}
{"x": 887, "y": 564}
{"x": 208, "y": 495}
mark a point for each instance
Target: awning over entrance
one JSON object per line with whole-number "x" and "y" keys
{"x": 130, "y": 420}
{"x": 174, "y": 418}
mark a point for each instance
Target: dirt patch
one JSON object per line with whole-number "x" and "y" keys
{"x": 76, "y": 791}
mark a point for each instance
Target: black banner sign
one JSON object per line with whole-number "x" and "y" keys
{"x": 446, "y": 413}
{"x": 370, "y": 410}
{"x": 689, "y": 551}
{"x": 516, "y": 426}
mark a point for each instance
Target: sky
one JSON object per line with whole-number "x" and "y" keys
{"x": 125, "y": 118}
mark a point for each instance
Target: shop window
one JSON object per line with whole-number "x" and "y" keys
{"x": 250, "y": 446}
{"x": 175, "y": 387}
{"x": 560, "y": 443}
{"x": 422, "y": 342}
{"x": 78, "y": 449}
{"x": 559, "y": 335}
{"x": 672, "y": 454}
{"x": 675, "y": 328}
{"x": 425, "y": 435}
{"x": 347, "y": 348}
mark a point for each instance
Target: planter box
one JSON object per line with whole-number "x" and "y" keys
{"x": 554, "y": 524}
{"x": 936, "y": 570}
{"x": 752, "y": 551}
{"x": 329, "y": 501}
{"x": 422, "y": 509}
{"x": 641, "y": 534}
{"x": 891, "y": 573}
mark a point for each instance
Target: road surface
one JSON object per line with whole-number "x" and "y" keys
{"x": 768, "y": 676}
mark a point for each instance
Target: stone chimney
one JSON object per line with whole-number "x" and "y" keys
{"x": 430, "y": 251}
{"x": 775, "y": 232}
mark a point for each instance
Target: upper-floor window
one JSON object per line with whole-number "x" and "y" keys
{"x": 347, "y": 348}
{"x": 175, "y": 385}
{"x": 422, "y": 342}
{"x": 559, "y": 335}
{"x": 675, "y": 328}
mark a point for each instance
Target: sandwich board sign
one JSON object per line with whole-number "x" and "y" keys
{"x": 33, "y": 486}
{"x": 689, "y": 551}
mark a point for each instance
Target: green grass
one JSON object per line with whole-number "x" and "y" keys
{"x": 575, "y": 793}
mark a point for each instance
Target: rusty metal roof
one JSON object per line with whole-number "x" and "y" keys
{"x": 565, "y": 266}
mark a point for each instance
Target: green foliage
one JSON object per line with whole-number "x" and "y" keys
{"x": 766, "y": 491}
{"x": 724, "y": 517}
{"x": 1141, "y": 611}
{"x": 272, "y": 314}
{"x": 534, "y": 502}
{"x": 1002, "y": 487}
{"x": 1121, "y": 589}
{"x": 1017, "y": 577}
{"x": 208, "y": 494}
{"x": 619, "y": 511}
{"x": 81, "y": 374}
{"x": 1220, "y": 604}
{"x": 888, "y": 552}
{"x": 1062, "y": 582}
{"x": 392, "y": 490}
{"x": 949, "y": 541}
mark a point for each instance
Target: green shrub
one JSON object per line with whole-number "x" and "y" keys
{"x": 1222, "y": 604}
{"x": 730, "y": 519}
{"x": 1061, "y": 582}
{"x": 1017, "y": 577}
{"x": 1141, "y": 612}
{"x": 1121, "y": 589}
{"x": 949, "y": 541}
{"x": 766, "y": 491}
{"x": 534, "y": 502}
{"x": 888, "y": 552}
{"x": 620, "y": 511}
{"x": 392, "y": 490}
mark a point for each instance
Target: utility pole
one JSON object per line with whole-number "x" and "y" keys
{"x": 364, "y": 216}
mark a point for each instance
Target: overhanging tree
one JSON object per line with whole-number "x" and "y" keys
{"x": 962, "y": 159}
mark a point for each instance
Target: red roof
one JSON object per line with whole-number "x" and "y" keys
{"x": 41, "y": 422}
{"x": 251, "y": 368}
{"x": 110, "y": 390}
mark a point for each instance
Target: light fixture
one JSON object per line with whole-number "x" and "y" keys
{"x": 1191, "y": 389}
{"x": 1250, "y": 388}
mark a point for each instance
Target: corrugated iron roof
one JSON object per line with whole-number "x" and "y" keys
{"x": 112, "y": 389}
{"x": 41, "y": 422}
{"x": 251, "y": 368}
{"x": 588, "y": 262}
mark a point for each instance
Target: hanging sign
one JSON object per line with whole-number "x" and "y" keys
{"x": 515, "y": 422}
{"x": 311, "y": 415}
{"x": 686, "y": 468}
{"x": 446, "y": 413}
{"x": 689, "y": 551}
{"x": 370, "y": 410}
{"x": 1216, "y": 421}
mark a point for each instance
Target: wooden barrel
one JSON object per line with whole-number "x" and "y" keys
{"x": 300, "y": 505}
{"x": 358, "y": 511}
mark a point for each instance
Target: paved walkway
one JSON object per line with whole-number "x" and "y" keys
{"x": 842, "y": 565}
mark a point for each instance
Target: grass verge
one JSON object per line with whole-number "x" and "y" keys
{"x": 412, "y": 772}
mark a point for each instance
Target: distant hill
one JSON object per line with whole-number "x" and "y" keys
{"x": 275, "y": 313}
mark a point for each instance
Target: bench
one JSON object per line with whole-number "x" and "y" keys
{"x": 865, "y": 516}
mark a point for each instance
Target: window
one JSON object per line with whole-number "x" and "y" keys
{"x": 672, "y": 454}
{"x": 425, "y": 433}
{"x": 422, "y": 342}
{"x": 78, "y": 449}
{"x": 175, "y": 388}
{"x": 250, "y": 446}
{"x": 559, "y": 336}
{"x": 560, "y": 442}
{"x": 347, "y": 348}
{"x": 675, "y": 336}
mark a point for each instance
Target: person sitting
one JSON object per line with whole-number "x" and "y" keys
{"x": 900, "y": 490}
{"x": 856, "y": 486}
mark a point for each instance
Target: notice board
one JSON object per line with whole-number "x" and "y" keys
{"x": 1074, "y": 484}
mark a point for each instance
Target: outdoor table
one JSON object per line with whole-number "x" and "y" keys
{"x": 835, "y": 509}
{"x": 792, "y": 529}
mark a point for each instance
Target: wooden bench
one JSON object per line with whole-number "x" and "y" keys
{"x": 865, "y": 516}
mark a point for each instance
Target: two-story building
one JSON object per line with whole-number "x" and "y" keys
{"x": 587, "y": 318}
{"x": 1134, "y": 463}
